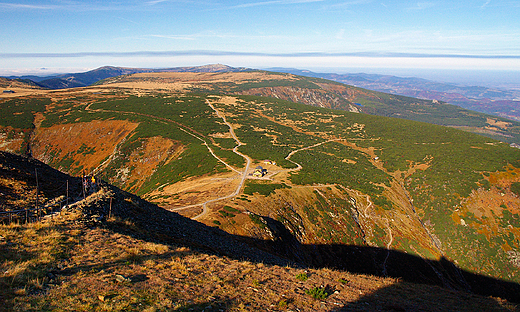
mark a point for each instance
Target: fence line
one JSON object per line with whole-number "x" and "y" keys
{"x": 35, "y": 214}
{"x": 38, "y": 210}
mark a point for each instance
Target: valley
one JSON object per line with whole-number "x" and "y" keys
{"x": 343, "y": 189}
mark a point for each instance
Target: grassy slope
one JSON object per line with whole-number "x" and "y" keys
{"x": 456, "y": 160}
{"x": 70, "y": 263}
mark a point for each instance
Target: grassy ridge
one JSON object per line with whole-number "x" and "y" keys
{"x": 439, "y": 113}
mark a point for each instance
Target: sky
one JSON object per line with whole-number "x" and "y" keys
{"x": 39, "y": 37}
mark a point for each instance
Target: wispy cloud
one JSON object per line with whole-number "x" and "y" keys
{"x": 485, "y": 4}
{"x": 347, "y": 4}
{"x": 18, "y": 6}
{"x": 273, "y": 2}
{"x": 237, "y": 53}
{"x": 154, "y": 2}
{"x": 127, "y": 20}
{"x": 176, "y": 37}
{"x": 422, "y": 6}
{"x": 68, "y": 6}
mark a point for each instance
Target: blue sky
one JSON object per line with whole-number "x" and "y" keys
{"x": 54, "y": 36}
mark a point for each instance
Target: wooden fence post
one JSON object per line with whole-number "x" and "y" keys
{"x": 110, "y": 209}
{"x": 37, "y": 190}
{"x": 67, "y": 193}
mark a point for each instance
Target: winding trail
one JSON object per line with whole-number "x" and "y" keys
{"x": 299, "y": 167}
{"x": 196, "y": 135}
{"x": 235, "y": 150}
{"x": 244, "y": 173}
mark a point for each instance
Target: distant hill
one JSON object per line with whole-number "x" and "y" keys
{"x": 495, "y": 101}
{"x": 7, "y": 83}
{"x": 90, "y": 77}
{"x": 324, "y": 94}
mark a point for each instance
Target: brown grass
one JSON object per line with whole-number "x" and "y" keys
{"x": 64, "y": 265}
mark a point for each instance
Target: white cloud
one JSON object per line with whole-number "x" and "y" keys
{"x": 176, "y": 37}
{"x": 18, "y": 6}
{"x": 422, "y": 6}
{"x": 347, "y": 4}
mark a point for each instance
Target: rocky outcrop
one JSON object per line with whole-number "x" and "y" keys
{"x": 313, "y": 97}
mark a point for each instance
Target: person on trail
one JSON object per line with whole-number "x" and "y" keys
{"x": 93, "y": 185}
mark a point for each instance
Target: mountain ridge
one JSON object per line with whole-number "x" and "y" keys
{"x": 495, "y": 101}
{"x": 350, "y": 98}
{"x": 83, "y": 79}
{"x": 332, "y": 177}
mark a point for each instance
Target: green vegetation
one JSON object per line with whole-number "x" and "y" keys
{"x": 437, "y": 167}
{"x": 262, "y": 188}
{"x": 231, "y": 209}
{"x": 515, "y": 188}
{"x": 302, "y": 277}
{"x": 319, "y": 293}
{"x": 190, "y": 111}
{"x": 19, "y": 113}
{"x": 256, "y": 219}
{"x": 226, "y": 214}
{"x": 337, "y": 163}
{"x": 439, "y": 113}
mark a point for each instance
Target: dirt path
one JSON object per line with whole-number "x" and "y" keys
{"x": 235, "y": 150}
{"x": 302, "y": 149}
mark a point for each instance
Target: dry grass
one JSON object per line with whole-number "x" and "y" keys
{"x": 65, "y": 266}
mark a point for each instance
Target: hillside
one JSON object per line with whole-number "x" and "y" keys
{"x": 114, "y": 251}
{"x": 503, "y": 102}
{"x": 356, "y": 192}
{"x": 325, "y": 93}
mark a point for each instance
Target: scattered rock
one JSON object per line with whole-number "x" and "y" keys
{"x": 120, "y": 278}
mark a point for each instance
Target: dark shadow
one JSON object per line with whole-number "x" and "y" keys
{"x": 401, "y": 298}
{"x": 385, "y": 263}
{"x": 151, "y": 222}
{"x": 214, "y": 305}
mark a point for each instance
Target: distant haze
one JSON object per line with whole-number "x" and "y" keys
{"x": 486, "y": 78}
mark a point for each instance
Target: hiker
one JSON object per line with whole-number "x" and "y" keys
{"x": 93, "y": 185}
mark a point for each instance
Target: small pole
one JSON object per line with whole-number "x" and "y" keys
{"x": 110, "y": 209}
{"x": 37, "y": 186}
{"x": 83, "y": 186}
{"x": 67, "y": 193}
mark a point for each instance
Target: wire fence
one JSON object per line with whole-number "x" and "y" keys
{"x": 31, "y": 215}
{"x": 88, "y": 184}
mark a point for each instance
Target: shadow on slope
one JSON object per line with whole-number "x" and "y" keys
{"x": 400, "y": 298}
{"x": 150, "y": 222}
{"x": 18, "y": 182}
{"x": 385, "y": 263}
